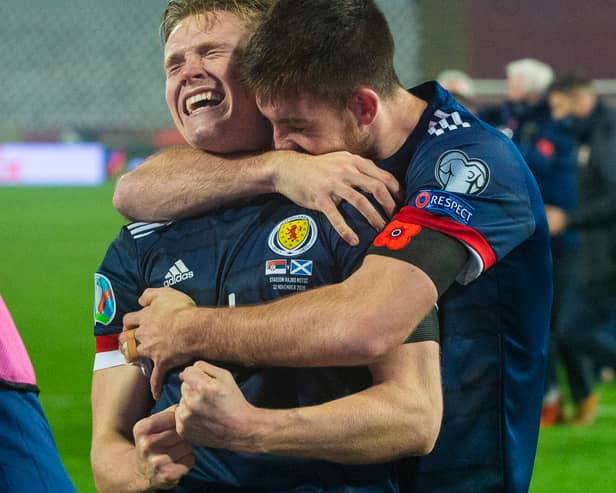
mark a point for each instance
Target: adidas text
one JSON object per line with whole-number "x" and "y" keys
{"x": 177, "y": 273}
{"x": 178, "y": 278}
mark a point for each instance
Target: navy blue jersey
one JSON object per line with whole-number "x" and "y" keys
{"x": 241, "y": 256}
{"x": 467, "y": 180}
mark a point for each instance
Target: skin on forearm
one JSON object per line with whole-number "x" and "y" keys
{"x": 355, "y": 322}
{"x": 115, "y": 467}
{"x": 396, "y": 417}
{"x": 120, "y": 397}
{"x": 182, "y": 182}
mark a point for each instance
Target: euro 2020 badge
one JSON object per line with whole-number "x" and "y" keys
{"x": 104, "y": 300}
{"x": 293, "y": 236}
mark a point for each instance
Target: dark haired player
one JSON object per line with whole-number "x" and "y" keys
{"x": 322, "y": 72}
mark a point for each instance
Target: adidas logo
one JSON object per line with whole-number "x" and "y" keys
{"x": 177, "y": 273}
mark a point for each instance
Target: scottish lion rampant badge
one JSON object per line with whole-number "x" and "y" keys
{"x": 293, "y": 236}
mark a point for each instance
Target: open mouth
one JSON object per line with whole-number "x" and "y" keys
{"x": 202, "y": 100}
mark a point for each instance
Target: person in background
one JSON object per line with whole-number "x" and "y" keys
{"x": 548, "y": 147}
{"x": 593, "y": 330}
{"x": 461, "y": 85}
{"x": 29, "y": 459}
{"x": 527, "y": 81}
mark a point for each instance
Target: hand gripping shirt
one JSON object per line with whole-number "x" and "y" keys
{"x": 467, "y": 180}
{"x": 241, "y": 256}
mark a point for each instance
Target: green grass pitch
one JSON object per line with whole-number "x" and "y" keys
{"x": 52, "y": 240}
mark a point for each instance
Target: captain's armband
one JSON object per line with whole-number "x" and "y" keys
{"x": 440, "y": 256}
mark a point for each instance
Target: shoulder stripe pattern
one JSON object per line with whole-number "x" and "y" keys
{"x": 446, "y": 121}
{"x": 141, "y": 229}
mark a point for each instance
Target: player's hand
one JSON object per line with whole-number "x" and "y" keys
{"x": 213, "y": 411}
{"x": 557, "y": 219}
{"x": 322, "y": 182}
{"x": 163, "y": 456}
{"x": 159, "y": 334}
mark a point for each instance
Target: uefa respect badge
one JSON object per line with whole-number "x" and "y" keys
{"x": 104, "y": 300}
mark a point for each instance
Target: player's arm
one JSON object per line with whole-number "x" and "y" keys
{"x": 120, "y": 398}
{"x": 399, "y": 415}
{"x": 354, "y": 322}
{"x": 181, "y": 182}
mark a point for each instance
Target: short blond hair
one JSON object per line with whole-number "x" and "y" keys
{"x": 251, "y": 11}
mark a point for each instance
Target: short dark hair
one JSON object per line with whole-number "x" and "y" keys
{"x": 176, "y": 10}
{"x": 326, "y": 48}
{"x": 569, "y": 83}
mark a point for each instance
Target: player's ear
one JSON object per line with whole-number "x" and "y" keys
{"x": 364, "y": 104}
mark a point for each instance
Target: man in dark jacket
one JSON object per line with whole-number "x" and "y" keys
{"x": 548, "y": 147}
{"x": 574, "y": 97}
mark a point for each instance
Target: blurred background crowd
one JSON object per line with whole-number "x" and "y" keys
{"x": 546, "y": 85}
{"x": 567, "y": 135}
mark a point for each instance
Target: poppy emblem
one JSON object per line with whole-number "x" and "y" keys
{"x": 397, "y": 235}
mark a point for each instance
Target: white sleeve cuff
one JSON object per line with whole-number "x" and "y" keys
{"x": 473, "y": 268}
{"x": 108, "y": 359}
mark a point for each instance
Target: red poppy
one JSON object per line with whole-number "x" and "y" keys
{"x": 545, "y": 147}
{"x": 397, "y": 235}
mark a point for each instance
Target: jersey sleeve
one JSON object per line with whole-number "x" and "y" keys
{"x": 117, "y": 287}
{"x": 471, "y": 185}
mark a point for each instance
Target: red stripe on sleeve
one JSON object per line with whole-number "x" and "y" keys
{"x": 107, "y": 343}
{"x": 452, "y": 228}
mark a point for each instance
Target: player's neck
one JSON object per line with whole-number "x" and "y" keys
{"x": 398, "y": 118}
